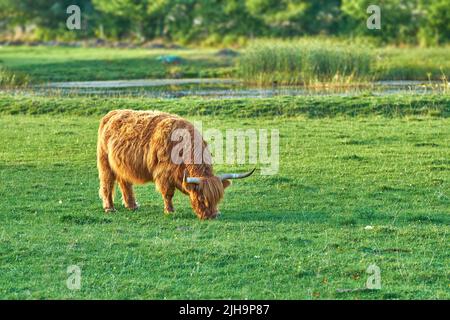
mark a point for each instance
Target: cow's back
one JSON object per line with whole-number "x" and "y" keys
{"x": 128, "y": 137}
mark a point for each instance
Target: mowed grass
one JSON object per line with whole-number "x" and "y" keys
{"x": 299, "y": 234}
{"x": 43, "y": 64}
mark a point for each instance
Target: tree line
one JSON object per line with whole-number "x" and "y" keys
{"x": 424, "y": 22}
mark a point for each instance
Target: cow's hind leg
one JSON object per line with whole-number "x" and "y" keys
{"x": 129, "y": 201}
{"x": 107, "y": 180}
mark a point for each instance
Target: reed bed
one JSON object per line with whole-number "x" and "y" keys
{"x": 305, "y": 62}
{"x": 9, "y": 79}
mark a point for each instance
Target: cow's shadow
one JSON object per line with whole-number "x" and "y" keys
{"x": 185, "y": 213}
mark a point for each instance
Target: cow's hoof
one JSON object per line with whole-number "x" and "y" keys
{"x": 133, "y": 207}
{"x": 169, "y": 211}
{"x": 110, "y": 210}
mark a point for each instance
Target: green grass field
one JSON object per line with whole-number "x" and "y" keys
{"x": 42, "y": 64}
{"x": 345, "y": 163}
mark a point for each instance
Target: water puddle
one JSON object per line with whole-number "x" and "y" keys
{"x": 140, "y": 83}
{"x": 226, "y": 88}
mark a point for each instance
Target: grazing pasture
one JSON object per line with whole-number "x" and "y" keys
{"x": 44, "y": 64}
{"x": 348, "y": 127}
{"x": 362, "y": 181}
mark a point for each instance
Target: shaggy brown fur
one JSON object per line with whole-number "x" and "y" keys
{"x": 134, "y": 147}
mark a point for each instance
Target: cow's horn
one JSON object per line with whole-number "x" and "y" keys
{"x": 236, "y": 175}
{"x": 190, "y": 179}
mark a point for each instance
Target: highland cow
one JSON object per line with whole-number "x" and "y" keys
{"x": 136, "y": 147}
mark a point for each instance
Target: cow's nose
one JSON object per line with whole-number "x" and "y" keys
{"x": 214, "y": 215}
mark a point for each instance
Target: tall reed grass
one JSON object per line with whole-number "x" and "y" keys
{"x": 305, "y": 62}
{"x": 412, "y": 63}
{"x": 9, "y": 79}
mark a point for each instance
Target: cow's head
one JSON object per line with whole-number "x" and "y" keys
{"x": 206, "y": 192}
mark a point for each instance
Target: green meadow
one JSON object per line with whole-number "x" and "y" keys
{"x": 356, "y": 95}
{"x": 44, "y": 64}
{"x": 362, "y": 181}
{"x": 301, "y": 62}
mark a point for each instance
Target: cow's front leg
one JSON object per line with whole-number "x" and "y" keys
{"x": 167, "y": 192}
{"x": 128, "y": 199}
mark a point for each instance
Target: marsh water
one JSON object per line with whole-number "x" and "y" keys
{"x": 227, "y": 88}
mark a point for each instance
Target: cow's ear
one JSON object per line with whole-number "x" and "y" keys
{"x": 226, "y": 183}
